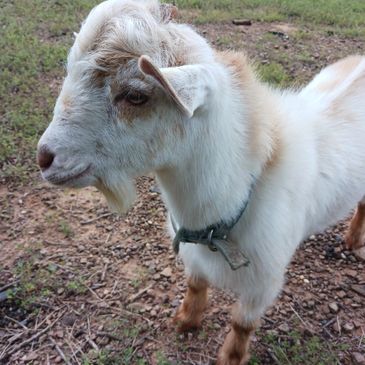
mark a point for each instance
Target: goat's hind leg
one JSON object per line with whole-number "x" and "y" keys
{"x": 355, "y": 237}
{"x": 190, "y": 312}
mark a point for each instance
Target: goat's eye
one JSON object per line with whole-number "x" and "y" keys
{"x": 136, "y": 98}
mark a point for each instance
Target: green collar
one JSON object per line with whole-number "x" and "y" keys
{"x": 215, "y": 237}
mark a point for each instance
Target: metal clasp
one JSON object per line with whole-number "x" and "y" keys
{"x": 211, "y": 245}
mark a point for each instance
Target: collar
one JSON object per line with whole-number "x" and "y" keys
{"x": 215, "y": 237}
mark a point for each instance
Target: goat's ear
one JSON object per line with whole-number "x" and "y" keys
{"x": 184, "y": 84}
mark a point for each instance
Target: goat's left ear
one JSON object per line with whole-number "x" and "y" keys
{"x": 186, "y": 85}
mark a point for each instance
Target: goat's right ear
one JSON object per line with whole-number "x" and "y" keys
{"x": 186, "y": 85}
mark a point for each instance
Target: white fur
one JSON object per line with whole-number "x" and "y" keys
{"x": 205, "y": 172}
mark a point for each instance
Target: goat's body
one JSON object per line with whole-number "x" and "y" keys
{"x": 316, "y": 177}
{"x": 145, "y": 94}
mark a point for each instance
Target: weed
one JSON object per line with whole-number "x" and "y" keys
{"x": 65, "y": 229}
{"x": 161, "y": 359}
{"x": 76, "y": 287}
{"x": 274, "y": 73}
{"x": 35, "y": 53}
{"x": 296, "y": 349}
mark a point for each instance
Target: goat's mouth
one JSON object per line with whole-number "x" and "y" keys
{"x": 73, "y": 179}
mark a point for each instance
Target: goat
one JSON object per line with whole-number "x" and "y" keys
{"x": 246, "y": 171}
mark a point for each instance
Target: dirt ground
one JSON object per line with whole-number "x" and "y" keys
{"x": 79, "y": 285}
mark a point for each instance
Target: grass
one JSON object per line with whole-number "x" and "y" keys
{"x": 36, "y": 37}
{"x": 296, "y": 349}
{"x": 345, "y": 17}
{"x": 274, "y": 73}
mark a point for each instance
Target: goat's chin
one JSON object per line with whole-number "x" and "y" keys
{"x": 119, "y": 194}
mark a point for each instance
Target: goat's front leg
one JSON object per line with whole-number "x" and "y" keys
{"x": 355, "y": 237}
{"x": 189, "y": 315}
{"x": 235, "y": 350}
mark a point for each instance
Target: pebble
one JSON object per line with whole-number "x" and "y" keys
{"x": 341, "y": 294}
{"x": 358, "y": 358}
{"x": 360, "y": 253}
{"x": 348, "y": 327}
{"x": 284, "y": 327}
{"x": 167, "y": 272}
{"x": 333, "y": 307}
{"x": 337, "y": 327}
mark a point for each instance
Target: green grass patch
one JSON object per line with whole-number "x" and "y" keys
{"x": 345, "y": 17}
{"x": 275, "y": 74}
{"x": 304, "y": 350}
{"x": 35, "y": 37}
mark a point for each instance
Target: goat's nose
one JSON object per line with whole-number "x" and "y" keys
{"x": 45, "y": 157}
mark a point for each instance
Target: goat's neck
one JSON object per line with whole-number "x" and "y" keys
{"x": 215, "y": 181}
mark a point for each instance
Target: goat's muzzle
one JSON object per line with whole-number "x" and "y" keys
{"x": 45, "y": 157}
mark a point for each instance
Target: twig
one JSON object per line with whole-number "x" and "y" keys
{"x": 137, "y": 295}
{"x": 92, "y": 343}
{"x": 31, "y": 339}
{"x": 17, "y": 322}
{"x": 103, "y": 274}
{"x": 10, "y": 285}
{"x": 329, "y": 322}
{"x": 300, "y": 318}
{"x": 110, "y": 335}
{"x": 60, "y": 352}
{"x": 108, "y": 238}
{"x": 361, "y": 338}
{"x": 96, "y": 218}
{"x": 268, "y": 320}
{"x": 338, "y": 325}
{"x": 273, "y": 357}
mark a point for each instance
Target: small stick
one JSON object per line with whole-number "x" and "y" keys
{"x": 96, "y": 218}
{"x": 103, "y": 274}
{"x": 339, "y": 326}
{"x": 92, "y": 343}
{"x": 329, "y": 322}
{"x": 137, "y": 295}
{"x": 300, "y": 318}
{"x": 10, "y": 285}
{"x": 17, "y": 322}
{"x": 60, "y": 352}
{"x": 361, "y": 338}
{"x": 31, "y": 339}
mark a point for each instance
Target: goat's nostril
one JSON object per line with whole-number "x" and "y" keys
{"x": 45, "y": 158}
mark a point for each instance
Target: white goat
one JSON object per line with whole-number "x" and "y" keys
{"x": 262, "y": 169}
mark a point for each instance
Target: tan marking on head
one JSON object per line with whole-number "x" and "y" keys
{"x": 262, "y": 128}
{"x": 128, "y": 113}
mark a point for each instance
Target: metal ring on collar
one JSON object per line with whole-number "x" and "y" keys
{"x": 211, "y": 245}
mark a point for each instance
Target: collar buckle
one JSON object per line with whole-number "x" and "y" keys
{"x": 211, "y": 245}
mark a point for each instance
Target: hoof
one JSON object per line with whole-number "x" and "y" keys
{"x": 184, "y": 322}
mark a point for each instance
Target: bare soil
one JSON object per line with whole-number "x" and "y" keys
{"x": 77, "y": 282}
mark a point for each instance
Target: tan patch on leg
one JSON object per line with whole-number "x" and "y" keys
{"x": 189, "y": 315}
{"x": 355, "y": 237}
{"x": 235, "y": 350}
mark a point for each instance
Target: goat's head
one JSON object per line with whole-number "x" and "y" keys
{"x": 132, "y": 87}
